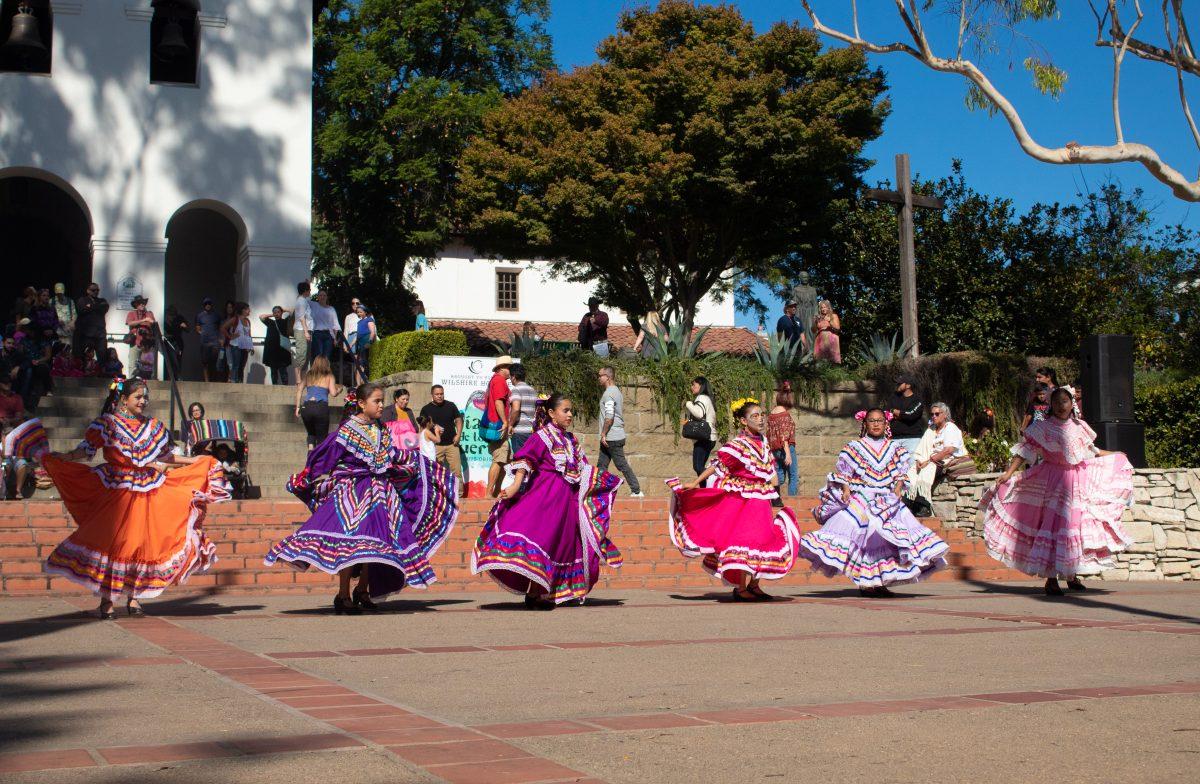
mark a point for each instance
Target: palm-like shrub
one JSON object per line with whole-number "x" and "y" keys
{"x": 672, "y": 341}
{"x": 882, "y": 351}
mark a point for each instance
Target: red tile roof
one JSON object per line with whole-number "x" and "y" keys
{"x": 481, "y": 334}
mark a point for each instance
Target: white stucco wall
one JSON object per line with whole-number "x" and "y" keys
{"x": 462, "y": 285}
{"x": 135, "y": 153}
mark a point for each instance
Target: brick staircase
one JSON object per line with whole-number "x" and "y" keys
{"x": 276, "y": 437}
{"x": 243, "y": 531}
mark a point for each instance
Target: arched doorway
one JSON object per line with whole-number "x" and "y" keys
{"x": 45, "y": 236}
{"x": 204, "y": 241}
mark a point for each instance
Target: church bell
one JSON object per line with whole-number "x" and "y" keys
{"x": 172, "y": 45}
{"x": 25, "y": 40}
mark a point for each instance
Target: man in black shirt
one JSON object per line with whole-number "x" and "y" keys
{"x": 446, "y": 414}
{"x": 89, "y": 324}
{"x": 908, "y": 414}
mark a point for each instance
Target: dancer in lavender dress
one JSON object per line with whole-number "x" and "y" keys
{"x": 371, "y": 504}
{"x": 547, "y": 535}
{"x": 867, "y": 532}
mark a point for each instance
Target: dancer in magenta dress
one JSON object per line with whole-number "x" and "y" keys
{"x": 547, "y": 535}
{"x": 1060, "y": 517}
{"x": 371, "y": 504}
{"x": 731, "y": 523}
{"x": 867, "y": 533}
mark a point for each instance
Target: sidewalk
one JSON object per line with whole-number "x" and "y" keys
{"x": 950, "y": 682}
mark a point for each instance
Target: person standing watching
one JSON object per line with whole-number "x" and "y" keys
{"x": 522, "y": 408}
{"x": 324, "y": 326}
{"x": 89, "y": 324}
{"x": 496, "y": 411}
{"x": 593, "y": 329}
{"x": 789, "y": 327}
{"x": 701, "y": 409}
{"x": 302, "y": 329}
{"x": 141, "y": 325}
{"x": 275, "y": 354}
{"x": 66, "y": 311}
{"x": 421, "y": 323}
{"x": 367, "y": 335}
{"x": 612, "y": 430}
{"x": 447, "y": 415}
{"x": 208, "y": 327}
{"x": 908, "y": 414}
{"x": 237, "y": 333}
{"x": 174, "y": 326}
{"x": 350, "y": 325}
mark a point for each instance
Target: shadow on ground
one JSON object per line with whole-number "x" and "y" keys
{"x": 18, "y": 727}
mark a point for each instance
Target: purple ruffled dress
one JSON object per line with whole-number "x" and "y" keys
{"x": 555, "y": 531}
{"x": 371, "y": 504}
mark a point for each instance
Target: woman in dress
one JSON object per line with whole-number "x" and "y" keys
{"x": 312, "y": 399}
{"x": 731, "y": 522}
{"x": 781, "y": 437}
{"x": 827, "y": 328}
{"x": 275, "y": 356}
{"x": 701, "y": 408}
{"x": 867, "y": 533}
{"x": 371, "y": 504}
{"x": 547, "y": 535}
{"x": 139, "y": 524}
{"x": 1061, "y": 516}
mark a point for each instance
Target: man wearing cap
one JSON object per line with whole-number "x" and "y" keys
{"x": 208, "y": 327}
{"x": 496, "y": 410}
{"x": 789, "y": 327}
{"x": 89, "y": 323}
{"x": 908, "y": 414}
{"x": 593, "y": 329}
{"x": 65, "y": 309}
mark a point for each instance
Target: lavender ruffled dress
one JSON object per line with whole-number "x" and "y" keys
{"x": 555, "y": 531}
{"x": 371, "y": 504}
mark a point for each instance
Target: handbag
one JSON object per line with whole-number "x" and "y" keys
{"x": 697, "y": 429}
{"x": 489, "y": 429}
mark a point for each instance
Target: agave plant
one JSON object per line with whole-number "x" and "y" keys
{"x": 882, "y": 351}
{"x": 783, "y": 357}
{"x": 672, "y": 341}
{"x": 519, "y": 346}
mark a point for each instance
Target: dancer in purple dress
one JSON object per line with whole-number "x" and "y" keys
{"x": 371, "y": 504}
{"x": 547, "y": 535}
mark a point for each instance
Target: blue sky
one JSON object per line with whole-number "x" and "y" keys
{"x": 931, "y": 124}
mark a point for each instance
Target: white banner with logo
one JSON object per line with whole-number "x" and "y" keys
{"x": 465, "y": 380}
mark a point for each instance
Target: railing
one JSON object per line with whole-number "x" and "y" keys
{"x": 356, "y": 366}
{"x": 171, "y": 371}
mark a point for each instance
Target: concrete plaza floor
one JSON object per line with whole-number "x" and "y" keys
{"x": 947, "y": 682}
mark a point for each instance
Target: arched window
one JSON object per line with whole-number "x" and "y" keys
{"x": 175, "y": 42}
{"x": 27, "y": 33}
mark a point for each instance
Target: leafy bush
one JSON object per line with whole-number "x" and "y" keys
{"x": 1171, "y": 414}
{"x": 415, "y": 350}
{"x": 669, "y": 379}
{"x": 971, "y": 381}
{"x": 990, "y": 453}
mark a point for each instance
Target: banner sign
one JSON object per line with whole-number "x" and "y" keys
{"x": 465, "y": 380}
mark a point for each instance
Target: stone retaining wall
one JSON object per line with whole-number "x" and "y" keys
{"x": 1164, "y": 521}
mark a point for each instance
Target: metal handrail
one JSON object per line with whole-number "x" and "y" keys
{"x": 172, "y": 374}
{"x": 356, "y": 365}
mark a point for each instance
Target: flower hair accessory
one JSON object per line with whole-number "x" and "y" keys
{"x": 352, "y": 398}
{"x": 860, "y": 416}
{"x": 742, "y": 401}
{"x": 116, "y": 384}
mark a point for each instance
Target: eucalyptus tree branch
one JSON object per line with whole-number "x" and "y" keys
{"x": 1071, "y": 152}
{"x": 1176, "y": 47}
{"x": 1118, "y": 58}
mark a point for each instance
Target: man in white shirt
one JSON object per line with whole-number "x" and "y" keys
{"x": 324, "y": 326}
{"x": 350, "y": 325}
{"x": 301, "y": 329}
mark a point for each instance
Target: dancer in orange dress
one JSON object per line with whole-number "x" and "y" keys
{"x": 139, "y": 524}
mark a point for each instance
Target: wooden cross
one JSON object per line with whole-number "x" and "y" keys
{"x": 908, "y": 201}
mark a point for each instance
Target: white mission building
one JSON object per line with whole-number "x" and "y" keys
{"x": 160, "y": 147}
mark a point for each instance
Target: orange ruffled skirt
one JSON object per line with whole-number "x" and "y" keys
{"x": 135, "y": 543}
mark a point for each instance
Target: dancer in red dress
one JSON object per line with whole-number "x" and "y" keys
{"x": 730, "y": 522}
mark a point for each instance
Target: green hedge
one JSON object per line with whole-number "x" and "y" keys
{"x": 1171, "y": 414}
{"x": 415, "y": 350}
{"x": 970, "y": 381}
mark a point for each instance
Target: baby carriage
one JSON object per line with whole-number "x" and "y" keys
{"x": 224, "y": 439}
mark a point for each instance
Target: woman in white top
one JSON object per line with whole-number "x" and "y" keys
{"x": 325, "y": 328}
{"x": 350, "y": 323}
{"x": 701, "y": 408}
{"x": 941, "y": 442}
{"x": 237, "y": 335}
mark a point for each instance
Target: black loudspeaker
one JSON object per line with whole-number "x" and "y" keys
{"x": 1127, "y": 437}
{"x": 1106, "y": 373}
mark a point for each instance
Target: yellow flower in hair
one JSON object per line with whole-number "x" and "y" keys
{"x": 735, "y": 405}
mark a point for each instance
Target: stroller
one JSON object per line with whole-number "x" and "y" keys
{"x": 224, "y": 439}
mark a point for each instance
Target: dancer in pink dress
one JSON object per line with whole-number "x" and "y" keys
{"x": 731, "y": 522}
{"x": 1061, "y": 517}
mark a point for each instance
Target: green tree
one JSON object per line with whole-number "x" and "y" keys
{"x": 399, "y": 87}
{"x": 693, "y": 151}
